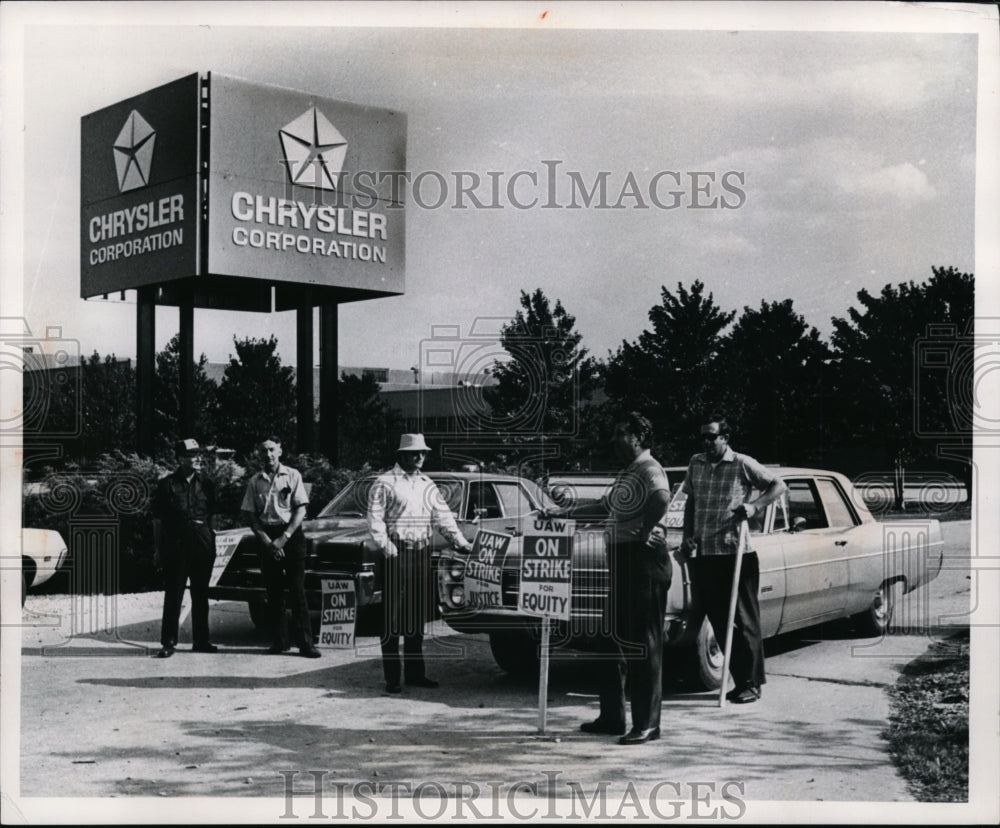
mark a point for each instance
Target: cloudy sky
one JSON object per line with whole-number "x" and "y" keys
{"x": 855, "y": 152}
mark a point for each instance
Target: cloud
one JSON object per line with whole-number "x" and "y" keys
{"x": 825, "y": 173}
{"x": 903, "y": 183}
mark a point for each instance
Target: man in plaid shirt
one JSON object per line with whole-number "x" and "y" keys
{"x": 718, "y": 486}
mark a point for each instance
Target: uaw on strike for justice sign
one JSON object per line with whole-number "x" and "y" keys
{"x": 235, "y": 186}
{"x": 546, "y": 569}
{"x": 482, "y": 570}
{"x": 338, "y": 615}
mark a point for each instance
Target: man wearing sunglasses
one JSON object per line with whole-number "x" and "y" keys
{"x": 404, "y": 507}
{"x": 718, "y": 486}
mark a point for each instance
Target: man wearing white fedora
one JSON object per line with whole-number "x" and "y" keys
{"x": 404, "y": 508}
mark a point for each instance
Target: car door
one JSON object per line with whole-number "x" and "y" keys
{"x": 516, "y": 506}
{"x": 767, "y": 531}
{"x": 814, "y": 550}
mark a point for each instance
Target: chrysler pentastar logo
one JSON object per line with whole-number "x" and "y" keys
{"x": 314, "y": 150}
{"x": 134, "y": 152}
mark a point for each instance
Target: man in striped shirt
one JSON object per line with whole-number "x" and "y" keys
{"x": 718, "y": 487}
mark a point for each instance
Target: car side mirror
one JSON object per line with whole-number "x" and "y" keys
{"x": 798, "y": 524}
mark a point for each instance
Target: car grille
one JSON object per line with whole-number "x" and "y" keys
{"x": 590, "y": 581}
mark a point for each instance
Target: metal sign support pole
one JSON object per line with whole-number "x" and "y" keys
{"x": 543, "y": 676}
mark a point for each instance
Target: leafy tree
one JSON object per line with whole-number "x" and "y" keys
{"x": 542, "y": 385}
{"x": 366, "y": 425}
{"x": 668, "y": 373}
{"x": 166, "y": 399}
{"x": 108, "y": 405}
{"x": 89, "y": 408}
{"x": 771, "y": 372}
{"x": 911, "y": 405}
{"x": 256, "y": 397}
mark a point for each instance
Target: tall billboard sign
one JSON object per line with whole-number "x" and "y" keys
{"x": 301, "y": 188}
{"x": 237, "y": 186}
{"x": 139, "y": 190}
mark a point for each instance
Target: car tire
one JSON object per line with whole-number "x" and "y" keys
{"x": 516, "y": 652}
{"x": 701, "y": 661}
{"x": 24, "y": 588}
{"x": 878, "y": 618}
{"x": 258, "y": 614}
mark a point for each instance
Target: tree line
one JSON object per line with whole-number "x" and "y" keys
{"x": 892, "y": 387}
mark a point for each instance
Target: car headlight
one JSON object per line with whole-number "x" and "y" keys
{"x": 456, "y": 569}
{"x": 457, "y": 595}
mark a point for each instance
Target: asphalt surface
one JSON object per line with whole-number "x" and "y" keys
{"x": 100, "y": 718}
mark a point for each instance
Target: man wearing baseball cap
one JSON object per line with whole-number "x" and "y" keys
{"x": 404, "y": 507}
{"x": 184, "y": 514}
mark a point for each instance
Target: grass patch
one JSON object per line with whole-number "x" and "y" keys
{"x": 928, "y": 730}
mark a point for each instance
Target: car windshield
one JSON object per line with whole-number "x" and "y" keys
{"x": 352, "y": 500}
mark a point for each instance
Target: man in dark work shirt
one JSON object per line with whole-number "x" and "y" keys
{"x": 184, "y": 508}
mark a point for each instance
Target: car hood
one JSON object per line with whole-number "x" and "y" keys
{"x": 341, "y": 529}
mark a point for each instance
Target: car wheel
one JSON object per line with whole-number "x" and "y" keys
{"x": 516, "y": 652}
{"x": 701, "y": 661}
{"x": 24, "y": 588}
{"x": 878, "y": 618}
{"x": 258, "y": 613}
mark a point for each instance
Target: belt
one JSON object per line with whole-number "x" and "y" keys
{"x": 412, "y": 544}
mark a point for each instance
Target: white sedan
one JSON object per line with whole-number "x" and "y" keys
{"x": 42, "y": 553}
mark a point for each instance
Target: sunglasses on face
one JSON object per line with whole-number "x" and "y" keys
{"x": 708, "y": 436}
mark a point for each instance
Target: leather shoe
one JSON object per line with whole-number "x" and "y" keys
{"x": 165, "y": 652}
{"x": 638, "y": 737}
{"x": 423, "y": 681}
{"x": 204, "y": 648}
{"x": 600, "y": 726}
{"x": 310, "y": 652}
{"x": 747, "y": 695}
{"x": 393, "y": 688}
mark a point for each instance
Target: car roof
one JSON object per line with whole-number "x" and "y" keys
{"x": 782, "y": 471}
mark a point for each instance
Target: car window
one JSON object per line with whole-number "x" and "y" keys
{"x": 838, "y": 513}
{"x": 351, "y": 501}
{"x": 451, "y": 492}
{"x": 756, "y": 522}
{"x": 780, "y": 516}
{"x": 483, "y": 496}
{"x": 803, "y": 502}
{"x": 514, "y": 499}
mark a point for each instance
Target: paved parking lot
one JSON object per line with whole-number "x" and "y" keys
{"x": 99, "y": 718}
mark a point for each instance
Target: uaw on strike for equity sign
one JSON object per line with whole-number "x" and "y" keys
{"x": 546, "y": 589}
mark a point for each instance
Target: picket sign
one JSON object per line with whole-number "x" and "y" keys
{"x": 545, "y": 588}
{"x": 339, "y": 614}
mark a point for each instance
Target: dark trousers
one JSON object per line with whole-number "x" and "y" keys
{"x": 406, "y": 604}
{"x": 287, "y": 573}
{"x": 713, "y": 580}
{"x": 640, "y": 578}
{"x": 189, "y": 552}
